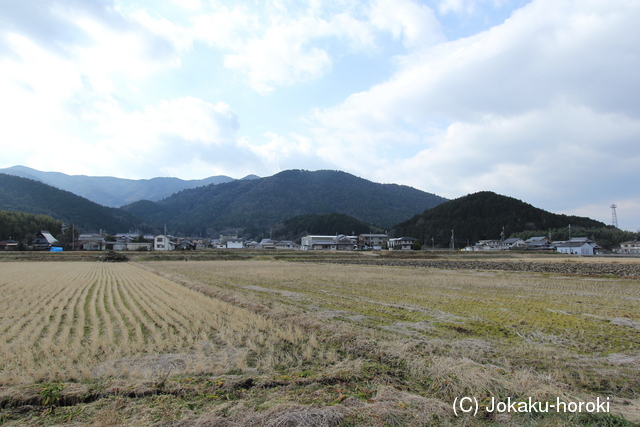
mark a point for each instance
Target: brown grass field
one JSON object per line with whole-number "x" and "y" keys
{"x": 262, "y": 341}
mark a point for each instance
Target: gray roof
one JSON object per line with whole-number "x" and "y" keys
{"x": 512, "y": 240}
{"x": 536, "y": 239}
{"x": 576, "y": 244}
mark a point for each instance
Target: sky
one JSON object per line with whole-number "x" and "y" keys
{"x": 537, "y": 100}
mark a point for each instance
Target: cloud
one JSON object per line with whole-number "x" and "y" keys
{"x": 563, "y": 148}
{"x": 58, "y": 63}
{"x": 281, "y": 57}
{"x": 544, "y": 107}
{"x": 186, "y": 130}
{"x": 416, "y": 24}
{"x": 284, "y": 46}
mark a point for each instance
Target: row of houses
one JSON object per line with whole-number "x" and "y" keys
{"x": 574, "y": 246}
{"x": 163, "y": 242}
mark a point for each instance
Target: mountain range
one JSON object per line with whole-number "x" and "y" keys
{"x": 116, "y": 192}
{"x": 249, "y": 206}
{"x": 289, "y": 203}
{"x": 252, "y": 207}
{"x": 34, "y": 197}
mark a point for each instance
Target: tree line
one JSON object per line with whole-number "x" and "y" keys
{"x": 21, "y": 226}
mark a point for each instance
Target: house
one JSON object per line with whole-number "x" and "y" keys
{"x": 126, "y": 237}
{"x": 137, "y": 246}
{"x": 513, "y": 243}
{"x": 331, "y": 243}
{"x": 229, "y": 241}
{"x": 267, "y": 244}
{"x": 44, "y": 241}
{"x": 286, "y": 244}
{"x": 372, "y": 241}
{"x": 235, "y": 243}
{"x": 186, "y": 245}
{"x": 496, "y": 245}
{"x": 91, "y": 242}
{"x": 200, "y": 242}
{"x": 630, "y": 247}
{"x": 162, "y": 242}
{"x": 487, "y": 245}
{"x": 578, "y": 246}
{"x": 8, "y": 245}
{"x": 401, "y": 243}
{"x": 539, "y": 243}
{"x": 345, "y": 243}
{"x": 251, "y": 245}
{"x": 311, "y": 242}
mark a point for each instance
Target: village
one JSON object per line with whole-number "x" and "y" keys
{"x": 44, "y": 241}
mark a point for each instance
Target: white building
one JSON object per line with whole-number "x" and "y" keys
{"x": 162, "y": 242}
{"x": 577, "y": 246}
{"x": 630, "y": 247}
{"x": 235, "y": 243}
{"x": 401, "y": 243}
{"x": 331, "y": 243}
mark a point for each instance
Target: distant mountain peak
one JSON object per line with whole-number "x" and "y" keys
{"x": 249, "y": 177}
{"x": 111, "y": 191}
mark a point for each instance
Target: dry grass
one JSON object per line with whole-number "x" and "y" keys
{"x": 76, "y": 321}
{"x": 592, "y": 316}
{"x": 459, "y": 333}
{"x": 235, "y": 343}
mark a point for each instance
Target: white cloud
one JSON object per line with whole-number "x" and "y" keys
{"x": 289, "y": 49}
{"x": 183, "y": 130}
{"x": 225, "y": 27}
{"x": 283, "y": 45}
{"x": 466, "y": 6}
{"x": 544, "y": 107}
{"x": 563, "y": 147}
{"x": 414, "y": 23}
{"x": 281, "y": 57}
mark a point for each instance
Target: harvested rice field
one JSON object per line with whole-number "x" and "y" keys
{"x": 267, "y": 342}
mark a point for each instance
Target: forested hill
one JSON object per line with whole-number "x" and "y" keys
{"x": 481, "y": 216}
{"x": 19, "y": 225}
{"x": 253, "y": 207}
{"x": 115, "y": 192}
{"x": 27, "y": 195}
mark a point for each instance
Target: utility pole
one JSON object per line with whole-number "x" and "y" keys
{"x": 453, "y": 242}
